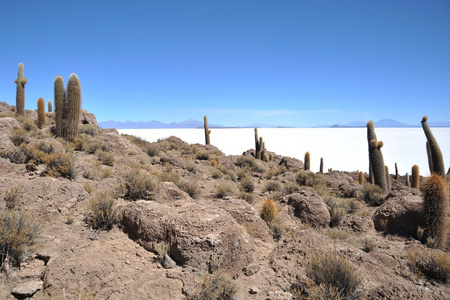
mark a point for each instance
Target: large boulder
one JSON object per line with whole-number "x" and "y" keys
{"x": 309, "y": 207}
{"x": 400, "y": 215}
{"x": 7, "y": 124}
{"x": 88, "y": 118}
{"x": 198, "y": 235}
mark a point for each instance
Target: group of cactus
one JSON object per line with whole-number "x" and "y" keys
{"x": 67, "y": 105}
{"x": 260, "y": 148}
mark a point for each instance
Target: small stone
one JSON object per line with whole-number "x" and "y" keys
{"x": 168, "y": 263}
{"x": 27, "y": 289}
{"x": 253, "y": 291}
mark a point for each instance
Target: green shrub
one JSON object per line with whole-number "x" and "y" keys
{"x": 333, "y": 271}
{"x": 140, "y": 185}
{"x": 432, "y": 264}
{"x": 12, "y": 197}
{"x": 102, "y": 211}
{"x": 18, "y": 234}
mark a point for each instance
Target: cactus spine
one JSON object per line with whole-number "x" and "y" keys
{"x": 307, "y": 162}
{"x": 371, "y": 136}
{"x": 50, "y": 106}
{"x": 415, "y": 177}
{"x": 207, "y": 131}
{"x": 20, "y": 91}
{"x": 435, "y": 201}
{"x": 321, "y": 166}
{"x": 41, "y": 113}
{"x": 377, "y": 165}
{"x": 435, "y": 159}
{"x": 60, "y": 102}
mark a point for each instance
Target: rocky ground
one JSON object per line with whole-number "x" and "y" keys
{"x": 199, "y": 221}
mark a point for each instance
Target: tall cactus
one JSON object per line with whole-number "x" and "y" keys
{"x": 257, "y": 145}
{"x": 41, "y": 113}
{"x": 207, "y": 131}
{"x": 377, "y": 165}
{"x": 321, "y": 166}
{"x": 415, "y": 177}
{"x": 307, "y": 161}
{"x": 50, "y": 106}
{"x": 435, "y": 159}
{"x": 72, "y": 108}
{"x": 435, "y": 201}
{"x": 388, "y": 178}
{"x": 60, "y": 103}
{"x": 20, "y": 91}
{"x": 371, "y": 136}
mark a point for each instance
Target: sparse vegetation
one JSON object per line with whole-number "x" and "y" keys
{"x": 432, "y": 264}
{"x": 223, "y": 190}
{"x": 12, "y": 196}
{"x": 215, "y": 286}
{"x": 140, "y": 185}
{"x": 372, "y": 194}
{"x": 102, "y": 211}
{"x": 268, "y": 211}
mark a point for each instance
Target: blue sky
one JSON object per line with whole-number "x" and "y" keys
{"x": 290, "y": 63}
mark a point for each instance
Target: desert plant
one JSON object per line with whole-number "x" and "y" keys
{"x": 247, "y": 185}
{"x": 432, "y": 264}
{"x": 377, "y": 165}
{"x": 207, "y": 131}
{"x": 361, "y": 178}
{"x": 337, "y": 212}
{"x": 20, "y": 91}
{"x": 407, "y": 181}
{"x": 396, "y": 171}
{"x": 307, "y": 164}
{"x": 102, "y": 211}
{"x": 162, "y": 248}
{"x": 435, "y": 158}
{"x": 88, "y": 129}
{"x": 247, "y": 197}
{"x": 19, "y": 136}
{"x": 107, "y": 158}
{"x": 215, "y": 286}
{"x": 250, "y": 163}
{"x": 388, "y": 178}
{"x": 371, "y": 136}
{"x": 72, "y": 108}
{"x": 272, "y": 186}
{"x": 435, "y": 202}
{"x": 60, "y": 101}
{"x": 268, "y": 211}
{"x": 223, "y": 190}
{"x": 59, "y": 165}
{"x": 18, "y": 234}
{"x": 49, "y": 106}
{"x": 216, "y": 174}
{"x": 189, "y": 187}
{"x": 415, "y": 178}
{"x": 368, "y": 244}
{"x": 41, "y": 113}
{"x": 140, "y": 185}
{"x": 290, "y": 188}
{"x": 12, "y": 196}
{"x": 372, "y": 194}
{"x": 333, "y": 270}
{"x": 321, "y": 166}
{"x": 257, "y": 145}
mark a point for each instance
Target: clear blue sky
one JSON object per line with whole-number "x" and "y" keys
{"x": 291, "y": 63}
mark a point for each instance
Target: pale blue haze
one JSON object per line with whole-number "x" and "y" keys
{"x": 289, "y": 63}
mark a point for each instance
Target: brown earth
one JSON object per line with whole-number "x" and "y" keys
{"x": 211, "y": 230}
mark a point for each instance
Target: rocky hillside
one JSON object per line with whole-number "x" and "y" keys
{"x": 114, "y": 217}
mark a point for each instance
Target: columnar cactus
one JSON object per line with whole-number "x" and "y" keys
{"x": 307, "y": 162}
{"x": 262, "y": 148}
{"x": 415, "y": 177}
{"x": 407, "y": 183}
{"x": 396, "y": 171}
{"x": 60, "y": 102}
{"x": 377, "y": 165}
{"x": 73, "y": 107}
{"x": 435, "y": 201}
{"x": 41, "y": 113}
{"x": 207, "y": 131}
{"x": 361, "y": 178}
{"x": 257, "y": 145}
{"x": 371, "y": 136}
{"x": 388, "y": 178}
{"x": 435, "y": 159}
{"x": 321, "y": 166}
{"x": 50, "y": 106}
{"x": 20, "y": 91}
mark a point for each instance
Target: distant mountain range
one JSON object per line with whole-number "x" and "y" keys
{"x": 199, "y": 124}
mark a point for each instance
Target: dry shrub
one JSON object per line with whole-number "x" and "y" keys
{"x": 141, "y": 143}
{"x": 191, "y": 167}
{"x": 216, "y": 174}
{"x": 152, "y": 149}
{"x": 290, "y": 188}
{"x": 189, "y": 187}
{"x": 59, "y": 165}
{"x": 250, "y": 163}
{"x": 432, "y": 264}
{"x": 247, "y": 185}
{"x": 88, "y": 187}
{"x": 337, "y": 234}
{"x": 102, "y": 211}
{"x": 19, "y": 136}
{"x": 88, "y": 129}
{"x": 268, "y": 211}
{"x": 223, "y": 190}
{"x": 248, "y": 197}
{"x": 18, "y": 234}
{"x": 140, "y": 185}
{"x": 338, "y": 210}
{"x": 203, "y": 156}
{"x": 162, "y": 248}
{"x": 368, "y": 244}
{"x": 334, "y": 272}
{"x": 272, "y": 186}
{"x": 215, "y": 286}
{"x": 12, "y": 197}
{"x": 372, "y": 194}
{"x": 107, "y": 158}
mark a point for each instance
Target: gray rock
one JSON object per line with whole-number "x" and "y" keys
{"x": 27, "y": 289}
{"x": 168, "y": 263}
{"x": 309, "y": 207}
